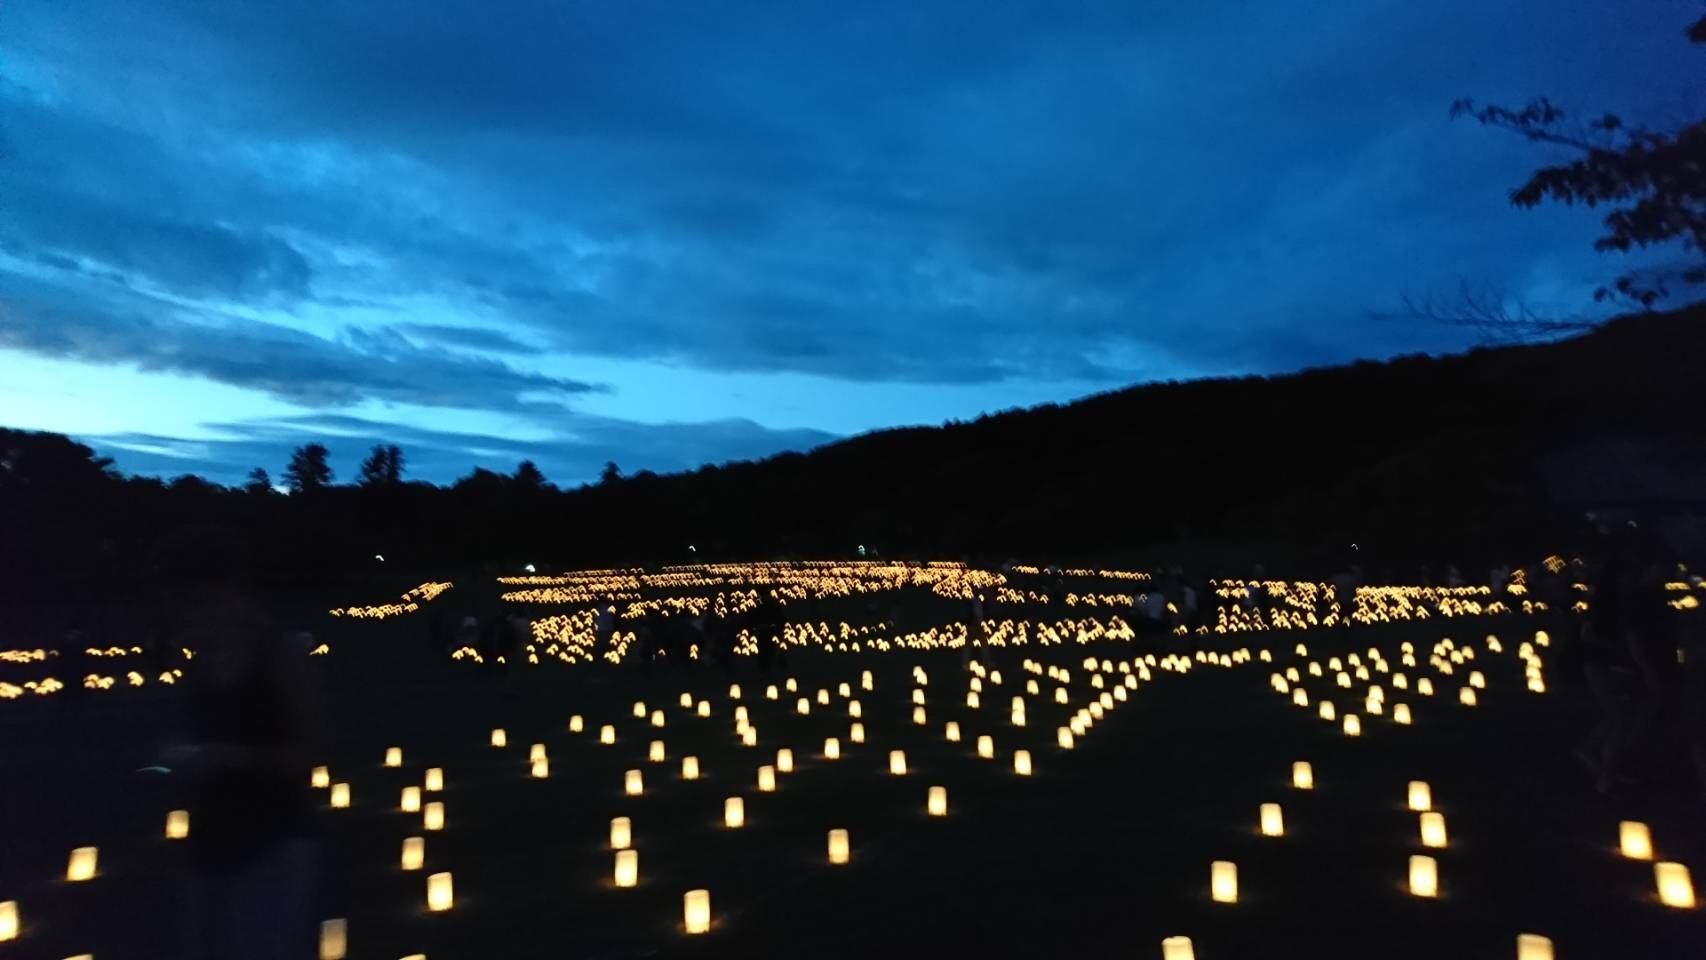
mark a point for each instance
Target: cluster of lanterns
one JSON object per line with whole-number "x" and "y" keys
{"x": 411, "y": 601}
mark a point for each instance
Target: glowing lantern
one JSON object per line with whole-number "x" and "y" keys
{"x": 607, "y": 734}
{"x": 1466, "y": 696}
{"x": 740, "y": 715}
{"x": 320, "y": 778}
{"x": 972, "y": 700}
{"x": 856, "y": 733}
{"x": 621, "y": 833}
{"x": 696, "y": 911}
{"x": 393, "y": 756}
{"x": 177, "y": 824}
{"x": 576, "y": 724}
{"x": 627, "y": 867}
{"x": 918, "y": 716}
{"x": 854, "y": 710}
{"x": 340, "y": 795}
{"x": 81, "y": 866}
{"x": 1421, "y": 798}
{"x": 1634, "y": 840}
{"x": 434, "y": 779}
{"x": 1302, "y": 775}
{"x": 704, "y": 709}
{"x": 334, "y": 940}
{"x": 414, "y": 853}
{"x": 639, "y": 709}
{"x": 822, "y": 697}
{"x": 536, "y": 752}
{"x": 540, "y": 769}
{"x": 1096, "y": 710}
{"x": 657, "y": 718}
{"x": 952, "y": 731}
{"x": 1022, "y": 762}
{"x": 792, "y": 685}
{"x": 1223, "y": 881}
{"x": 686, "y": 701}
{"x": 766, "y": 779}
{"x": 802, "y": 706}
{"x": 1425, "y": 687}
{"x": 1424, "y": 876}
{"x": 897, "y": 762}
{"x": 500, "y": 738}
{"x": 831, "y": 748}
{"x": 633, "y": 783}
{"x": 838, "y": 846}
{"x": 865, "y": 680}
{"x": 734, "y": 691}
{"x": 734, "y": 812}
{"x": 1533, "y": 946}
{"x": 936, "y": 802}
{"x": 1063, "y": 738}
{"x": 749, "y": 737}
{"x": 655, "y": 753}
{"x": 1273, "y": 822}
{"x": 1300, "y": 697}
{"x": 1675, "y": 888}
{"x": 1433, "y": 829}
{"x": 1018, "y": 718}
{"x": 8, "y": 920}
{"x": 689, "y": 768}
{"x": 986, "y": 746}
{"x": 1353, "y": 725}
{"x": 1401, "y": 713}
{"x": 411, "y": 801}
{"x": 1059, "y": 694}
{"x": 1179, "y": 948}
{"x": 432, "y": 818}
{"x": 439, "y": 892}
{"x": 1327, "y": 712}
{"x": 785, "y": 760}
{"x": 1476, "y": 680}
{"x": 844, "y": 690}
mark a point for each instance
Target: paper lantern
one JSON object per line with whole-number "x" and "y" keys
{"x": 1106, "y": 700}
{"x": 1302, "y": 775}
{"x": 770, "y": 692}
{"x": 1223, "y": 881}
{"x": 792, "y": 685}
{"x": 1327, "y": 712}
{"x": 1401, "y": 713}
{"x": 854, "y": 710}
{"x": 897, "y": 762}
{"x": 1424, "y": 876}
{"x": 822, "y": 697}
{"x": 334, "y": 940}
{"x": 1032, "y": 688}
{"x": 1060, "y": 695}
{"x": 1017, "y": 718}
{"x": 838, "y": 846}
{"x": 1421, "y": 798}
{"x": 639, "y": 709}
{"x": 576, "y": 724}
{"x": 8, "y": 920}
{"x": 340, "y": 795}
{"x": 655, "y": 753}
{"x": 740, "y": 715}
{"x": 704, "y": 708}
{"x": 734, "y": 812}
{"x": 1533, "y": 946}
{"x": 1476, "y": 680}
{"x": 393, "y": 756}
{"x": 536, "y": 752}
{"x": 633, "y": 783}
{"x": 414, "y": 853}
{"x": 411, "y": 801}
{"x": 1675, "y": 888}
{"x": 689, "y": 768}
{"x": 749, "y": 737}
{"x": 1096, "y": 711}
{"x": 627, "y": 867}
{"x": 844, "y": 690}
{"x": 1353, "y": 725}
{"x": 621, "y": 833}
{"x": 784, "y": 760}
{"x": 952, "y": 731}
{"x": 1178, "y": 948}
{"x": 865, "y": 680}
{"x": 540, "y": 769}
{"x": 1300, "y": 697}
{"x": 1022, "y": 762}
{"x": 500, "y": 738}
{"x": 81, "y": 865}
{"x": 831, "y": 748}
{"x": 734, "y": 691}
{"x": 696, "y": 911}
{"x": 177, "y": 824}
{"x": 686, "y": 701}
{"x": 1433, "y": 829}
{"x": 972, "y": 700}
{"x": 1634, "y": 840}
{"x": 440, "y": 895}
{"x": 1273, "y": 821}
{"x": 1425, "y": 687}
{"x": 856, "y": 733}
{"x": 986, "y": 746}
{"x": 802, "y": 706}
{"x": 607, "y": 734}
{"x": 766, "y": 779}
{"x": 1063, "y": 738}
{"x": 657, "y": 718}
{"x": 918, "y": 716}
{"x": 1466, "y": 696}
{"x": 434, "y": 779}
{"x": 432, "y": 817}
{"x": 320, "y": 778}
{"x": 936, "y": 802}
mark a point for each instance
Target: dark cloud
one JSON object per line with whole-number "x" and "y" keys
{"x": 473, "y": 338}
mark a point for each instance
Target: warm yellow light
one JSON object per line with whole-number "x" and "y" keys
{"x": 440, "y": 894}
{"x": 856, "y": 733}
{"x": 1022, "y": 762}
{"x": 1273, "y": 821}
{"x": 500, "y": 738}
{"x": 686, "y": 701}
{"x": 1327, "y": 712}
{"x": 1059, "y": 694}
{"x": 340, "y": 795}
{"x": 854, "y": 709}
{"x": 1353, "y": 725}
{"x": 844, "y": 690}
{"x": 1179, "y": 948}
{"x": 1401, "y": 713}
{"x": 177, "y": 824}
{"x": 633, "y": 783}
{"x": 865, "y": 680}
{"x": 1018, "y": 718}
{"x": 770, "y": 692}
{"x": 627, "y": 867}
{"x": 1476, "y": 680}
{"x": 432, "y": 818}
{"x": 434, "y": 779}
{"x": 577, "y": 723}
{"x": 8, "y": 920}
{"x": 320, "y": 778}
{"x": 936, "y": 802}
{"x": 734, "y": 812}
{"x": 784, "y": 760}
{"x": 540, "y": 769}
{"x": 1063, "y": 738}
{"x": 536, "y": 752}
{"x": 802, "y": 706}
{"x": 897, "y": 762}
{"x": 1223, "y": 881}
{"x": 657, "y": 718}
{"x": 1302, "y": 775}
{"x": 1466, "y": 696}
{"x": 1675, "y": 888}
{"x": 766, "y": 779}
{"x": 734, "y": 691}
{"x": 690, "y": 767}
{"x": 81, "y": 866}
{"x": 639, "y": 709}
{"x": 1634, "y": 840}
{"x": 831, "y": 748}
{"x": 918, "y": 716}
{"x": 973, "y": 701}
{"x": 1300, "y": 697}
{"x": 655, "y": 753}
{"x": 1424, "y": 876}
{"x": 411, "y": 801}
{"x": 607, "y": 734}
{"x": 986, "y": 746}
{"x": 393, "y": 756}
{"x": 704, "y": 708}
{"x": 1425, "y": 687}
{"x": 792, "y": 685}
{"x": 1533, "y": 946}
{"x": 838, "y": 846}
{"x": 1433, "y": 829}
{"x": 1421, "y": 798}
{"x": 621, "y": 833}
{"x": 696, "y": 911}
{"x": 414, "y": 853}
{"x": 334, "y": 940}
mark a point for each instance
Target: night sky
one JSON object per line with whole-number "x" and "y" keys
{"x": 670, "y": 233}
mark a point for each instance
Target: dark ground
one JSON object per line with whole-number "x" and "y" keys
{"x": 1102, "y": 853}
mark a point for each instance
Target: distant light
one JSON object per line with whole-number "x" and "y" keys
{"x": 529, "y": 568}
{"x": 380, "y": 557}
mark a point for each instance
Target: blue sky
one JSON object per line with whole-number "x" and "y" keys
{"x": 671, "y": 233}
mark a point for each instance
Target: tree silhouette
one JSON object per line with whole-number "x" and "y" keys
{"x": 308, "y": 469}
{"x": 610, "y": 474}
{"x": 528, "y": 476}
{"x": 259, "y": 483}
{"x": 1654, "y": 182}
{"x": 383, "y": 467}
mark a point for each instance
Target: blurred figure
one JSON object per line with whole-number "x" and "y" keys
{"x": 251, "y": 723}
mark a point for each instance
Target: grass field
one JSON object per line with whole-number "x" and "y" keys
{"x": 1102, "y": 852}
